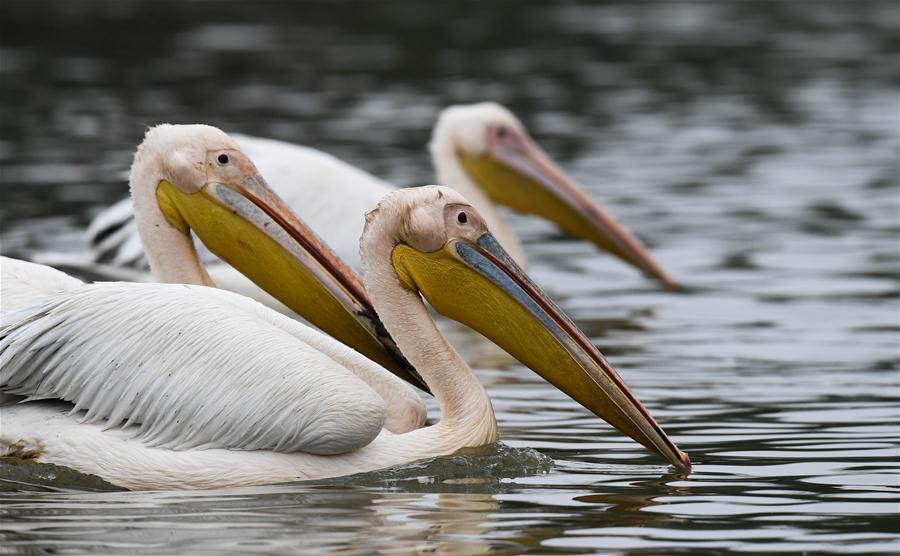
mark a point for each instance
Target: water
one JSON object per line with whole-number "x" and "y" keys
{"x": 753, "y": 145}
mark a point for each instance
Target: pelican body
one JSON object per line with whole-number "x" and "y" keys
{"x": 418, "y": 243}
{"x": 194, "y": 179}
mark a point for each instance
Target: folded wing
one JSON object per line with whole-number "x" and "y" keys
{"x": 187, "y": 367}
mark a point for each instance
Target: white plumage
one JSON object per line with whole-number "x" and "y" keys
{"x": 180, "y": 386}
{"x": 331, "y": 196}
{"x": 47, "y": 433}
{"x": 191, "y": 387}
{"x": 174, "y": 368}
{"x": 328, "y": 194}
{"x": 174, "y": 360}
{"x": 24, "y": 284}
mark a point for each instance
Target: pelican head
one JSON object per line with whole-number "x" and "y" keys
{"x": 194, "y": 178}
{"x": 441, "y": 248}
{"x": 496, "y": 153}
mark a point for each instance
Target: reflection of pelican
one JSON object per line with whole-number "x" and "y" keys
{"x": 426, "y": 241}
{"x": 480, "y": 150}
{"x": 434, "y": 523}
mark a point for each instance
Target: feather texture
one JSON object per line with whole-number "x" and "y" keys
{"x": 178, "y": 362}
{"x": 24, "y": 284}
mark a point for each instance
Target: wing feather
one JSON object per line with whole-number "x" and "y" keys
{"x": 23, "y": 284}
{"x": 192, "y": 367}
{"x": 405, "y": 411}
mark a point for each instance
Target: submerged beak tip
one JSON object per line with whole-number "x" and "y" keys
{"x": 659, "y": 274}
{"x": 671, "y": 284}
{"x": 653, "y": 270}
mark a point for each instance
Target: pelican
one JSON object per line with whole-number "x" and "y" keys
{"x": 195, "y": 179}
{"x": 417, "y": 243}
{"x": 481, "y": 150}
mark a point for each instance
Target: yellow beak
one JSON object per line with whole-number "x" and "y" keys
{"x": 517, "y": 173}
{"x": 249, "y": 227}
{"x": 479, "y": 285}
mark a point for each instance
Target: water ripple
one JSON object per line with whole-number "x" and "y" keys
{"x": 752, "y": 146}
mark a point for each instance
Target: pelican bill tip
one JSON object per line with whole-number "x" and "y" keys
{"x": 671, "y": 284}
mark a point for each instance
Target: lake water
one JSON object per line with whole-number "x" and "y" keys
{"x": 753, "y": 145}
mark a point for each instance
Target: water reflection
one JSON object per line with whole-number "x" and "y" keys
{"x": 360, "y": 519}
{"x": 255, "y": 521}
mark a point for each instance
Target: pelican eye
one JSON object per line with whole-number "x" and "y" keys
{"x": 502, "y": 132}
{"x": 462, "y": 218}
{"x": 223, "y": 159}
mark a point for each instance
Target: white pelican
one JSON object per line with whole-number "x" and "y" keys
{"x": 194, "y": 178}
{"x": 418, "y": 242}
{"x": 481, "y": 150}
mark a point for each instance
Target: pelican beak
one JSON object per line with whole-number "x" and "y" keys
{"x": 479, "y": 285}
{"x": 248, "y": 226}
{"x": 517, "y": 173}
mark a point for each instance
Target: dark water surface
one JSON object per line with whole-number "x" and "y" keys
{"x": 753, "y": 145}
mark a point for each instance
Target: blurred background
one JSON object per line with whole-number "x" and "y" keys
{"x": 725, "y": 86}
{"x": 752, "y": 144}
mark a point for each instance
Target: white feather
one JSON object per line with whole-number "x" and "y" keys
{"x": 122, "y": 353}
{"x": 23, "y": 284}
{"x": 330, "y": 195}
{"x": 181, "y": 362}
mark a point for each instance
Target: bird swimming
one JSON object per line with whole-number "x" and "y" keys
{"x": 482, "y": 150}
{"x": 422, "y": 243}
{"x": 194, "y": 179}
